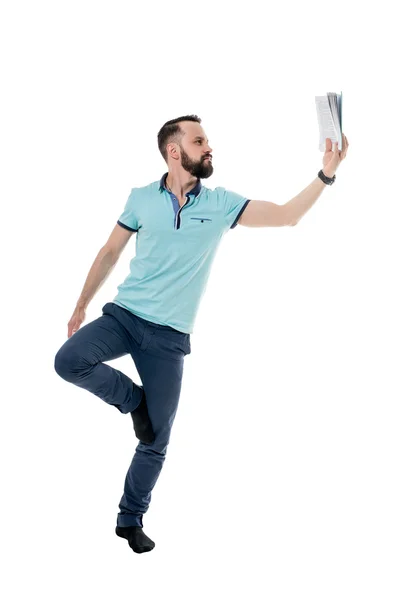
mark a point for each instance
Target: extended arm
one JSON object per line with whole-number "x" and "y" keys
{"x": 260, "y": 213}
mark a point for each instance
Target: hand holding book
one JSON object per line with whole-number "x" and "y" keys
{"x": 330, "y": 121}
{"x": 333, "y": 157}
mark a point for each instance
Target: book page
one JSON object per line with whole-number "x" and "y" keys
{"x": 328, "y": 120}
{"x": 334, "y": 105}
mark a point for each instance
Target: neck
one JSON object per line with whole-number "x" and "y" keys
{"x": 180, "y": 184}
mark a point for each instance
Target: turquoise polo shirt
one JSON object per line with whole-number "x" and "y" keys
{"x": 175, "y": 248}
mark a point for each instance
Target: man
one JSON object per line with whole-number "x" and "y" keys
{"x": 179, "y": 225}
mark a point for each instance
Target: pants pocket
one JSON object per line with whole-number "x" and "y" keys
{"x": 148, "y": 337}
{"x": 171, "y": 345}
{"x": 134, "y": 328}
{"x": 188, "y": 344}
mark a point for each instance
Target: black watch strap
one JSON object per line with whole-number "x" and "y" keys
{"x": 325, "y": 179}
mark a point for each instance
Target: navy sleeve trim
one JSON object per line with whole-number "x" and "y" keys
{"x": 126, "y": 226}
{"x": 235, "y": 222}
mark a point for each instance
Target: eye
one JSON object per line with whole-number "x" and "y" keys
{"x": 199, "y": 141}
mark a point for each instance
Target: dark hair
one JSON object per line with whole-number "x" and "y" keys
{"x": 171, "y": 132}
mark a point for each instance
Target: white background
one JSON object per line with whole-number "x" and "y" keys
{"x": 282, "y": 475}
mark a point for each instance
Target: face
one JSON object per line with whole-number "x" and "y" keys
{"x": 194, "y": 150}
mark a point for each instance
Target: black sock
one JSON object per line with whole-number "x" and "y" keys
{"x": 137, "y": 539}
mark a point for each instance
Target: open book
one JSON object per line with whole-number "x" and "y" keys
{"x": 329, "y": 112}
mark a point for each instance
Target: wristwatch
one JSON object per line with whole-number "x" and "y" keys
{"x": 325, "y": 179}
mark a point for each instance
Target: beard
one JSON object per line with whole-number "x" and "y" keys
{"x": 201, "y": 169}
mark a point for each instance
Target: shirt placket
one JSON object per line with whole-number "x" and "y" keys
{"x": 175, "y": 204}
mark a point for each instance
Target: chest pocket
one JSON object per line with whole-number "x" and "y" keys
{"x": 202, "y": 231}
{"x": 202, "y": 219}
{"x": 203, "y": 222}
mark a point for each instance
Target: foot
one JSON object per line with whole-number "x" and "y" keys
{"x": 141, "y": 422}
{"x": 137, "y": 539}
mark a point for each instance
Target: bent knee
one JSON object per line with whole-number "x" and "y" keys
{"x": 67, "y": 363}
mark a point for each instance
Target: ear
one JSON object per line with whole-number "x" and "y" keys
{"x": 173, "y": 150}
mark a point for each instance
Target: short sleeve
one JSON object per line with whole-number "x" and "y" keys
{"x": 233, "y": 205}
{"x": 128, "y": 219}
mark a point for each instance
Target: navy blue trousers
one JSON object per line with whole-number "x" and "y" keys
{"x": 158, "y": 352}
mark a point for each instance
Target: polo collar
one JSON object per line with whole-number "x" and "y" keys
{"x": 196, "y": 190}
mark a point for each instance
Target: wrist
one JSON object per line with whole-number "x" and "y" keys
{"x": 326, "y": 178}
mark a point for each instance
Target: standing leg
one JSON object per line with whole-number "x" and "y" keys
{"x": 162, "y": 380}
